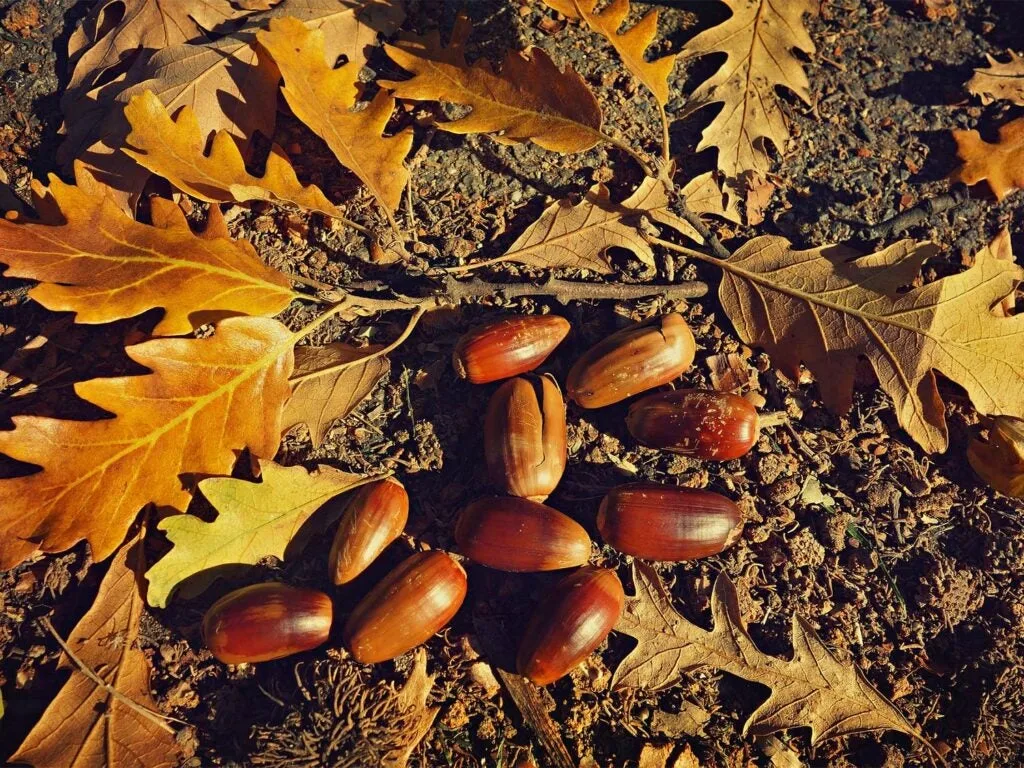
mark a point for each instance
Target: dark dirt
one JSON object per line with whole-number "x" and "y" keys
{"x": 908, "y": 566}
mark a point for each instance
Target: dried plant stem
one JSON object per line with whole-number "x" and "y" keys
{"x": 920, "y": 213}
{"x": 642, "y": 161}
{"x": 666, "y": 155}
{"x": 357, "y": 227}
{"x": 693, "y": 254}
{"x": 156, "y": 717}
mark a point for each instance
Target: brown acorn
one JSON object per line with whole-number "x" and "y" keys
{"x": 574, "y": 618}
{"x": 266, "y": 621}
{"x": 524, "y": 437}
{"x": 663, "y": 522}
{"x": 513, "y": 534}
{"x": 717, "y": 426}
{"x": 507, "y": 347}
{"x": 632, "y": 360}
{"x": 407, "y": 608}
{"x": 373, "y": 518}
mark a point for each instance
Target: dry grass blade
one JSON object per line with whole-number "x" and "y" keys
{"x": 188, "y": 417}
{"x": 1000, "y": 164}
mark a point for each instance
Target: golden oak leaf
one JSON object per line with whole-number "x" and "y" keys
{"x": 254, "y": 520}
{"x": 86, "y": 725}
{"x": 530, "y": 99}
{"x": 565, "y": 7}
{"x": 999, "y": 81}
{"x": 328, "y": 383}
{"x": 813, "y": 689}
{"x": 825, "y": 308}
{"x": 758, "y": 40}
{"x": 205, "y": 400}
{"x": 322, "y": 97}
{"x": 1000, "y": 164}
{"x": 631, "y": 44}
{"x": 104, "y": 266}
{"x": 174, "y": 149}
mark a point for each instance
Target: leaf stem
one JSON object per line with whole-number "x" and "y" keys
{"x": 642, "y": 161}
{"x": 689, "y": 252}
{"x": 665, "y": 154}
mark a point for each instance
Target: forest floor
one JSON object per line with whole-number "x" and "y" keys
{"x": 905, "y": 562}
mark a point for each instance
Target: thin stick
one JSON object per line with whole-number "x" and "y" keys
{"x": 645, "y": 166}
{"x": 683, "y": 250}
{"x": 920, "y": 213}
{"x": 157, "y": 717}
{"x": 349, "y": 223}
{"x": 312, "y": 283}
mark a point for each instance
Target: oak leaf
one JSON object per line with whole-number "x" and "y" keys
{"x": 530, "y": 99}
{"x": 104, "y": 266}
{"x": 322, "y": 97}
{"x": 631, "y": 44}
{"x": 328, "y": 383}
{"x": 174, "y": 149}
{"x": 254, "y": 520}
{"x": 205, "y": 400}
{"x": 1000, "y": 164}
{"x": 824, "y": 308}
{"x": 758, "y": 40}
{"x": 412, "y": 699}
{"x": 813, "y": 689}
{"x": 87, "y": 725}
{"x": 1000, "y": 80}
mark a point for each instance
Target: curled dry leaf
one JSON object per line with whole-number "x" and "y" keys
{"x": 322, "y": 98}
{"x": 254, "y": 520}
{"x": 1000, "y": 80}
{"x": 104, "y": 266}
{"x": 999, "y": 460}
{"x": 174, "y": 149}
{"x": 87, "y": 725}
{"x": 758, "y": 40}
{"x": 530, "y": 99}
{"x": 205, "y": 400}
{"x": 328, "y": 383}
{"x": 1000, "y": 164}
{"x": 813, "y": 689}
{"x": 825, "y": 307}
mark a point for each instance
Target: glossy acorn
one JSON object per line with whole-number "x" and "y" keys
{"x": 507, "y": 347}
{"x": 632, "y": 360}
{"x": 717, "y": 426}
{"x": 574, "y": 618}
{"x": 408, "y": 607}
{"x": 266, "y": 621}
{"x": 512, "y": 534}
{"x": 373, "y": 518}
{"x": 525, "y": 436}
{"x": 663, "y": 522}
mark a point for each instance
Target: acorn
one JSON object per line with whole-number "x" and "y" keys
{"x": 664, "y": 522}
{"x": 524, "y": 437}
{"x": 266, "y": 621}
{"x": 373, "y": 518}
{"x": 412, "y": 603}
{"x": 999, "y": 461}
{"x": 507, "y": 347}
{"x": 512, "y": 534}
{"x": 574, "y": 618}
{"x": 717, "y": 426}
{"x": 632, "y": 360}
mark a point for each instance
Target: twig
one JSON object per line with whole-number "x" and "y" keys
{"x": 920, "y": 213}
{"x": 157, "y": 717}
{"x": 710, "y": 238}
{"x": 565, "y": 291}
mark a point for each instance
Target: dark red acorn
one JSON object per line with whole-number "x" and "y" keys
{"x": 507, "y": 347}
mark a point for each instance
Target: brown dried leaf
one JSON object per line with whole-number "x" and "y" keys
{"x": 86, "y": 726}
{"x": 174, "y": 149}
{"x": 322, "y": 97}
{"x": 1001, "y": 164}
{"x": 530, "y": 99}
{"x": 813, "y": 689}
{"x": 1001, "y": 247}
{"x": 825, "y": 307}
{"x": 1000, "y": 80}
{"x": 412, "y": 698}
{"x": 204, "y": 401}
{"x": 758, "y": 40}
{"x": 104, "y": 266}
{"x": 328, "y": 383}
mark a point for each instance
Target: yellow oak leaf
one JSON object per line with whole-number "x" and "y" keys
{"x": 86, "y": 725}
{"x": 174, "y": 149}
{"x": 1000, "y": 80}
{"x": 322, "y": 98}
{"x": 205, "y": 400}
{"x": 254, "y": 520}
{"x": 102, "y": 265}
{"x": 758, "y": 41}
{"x": 1000, "y": 164}
{"x": 530, "y": 99}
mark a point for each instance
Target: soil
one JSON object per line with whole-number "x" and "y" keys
{"x": 907, "y": 564}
